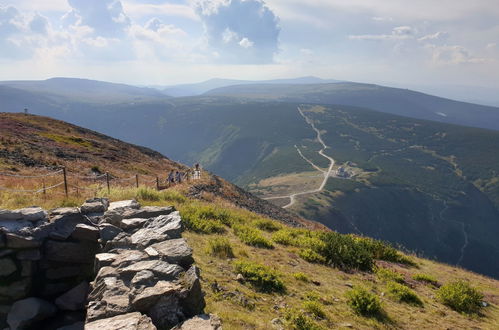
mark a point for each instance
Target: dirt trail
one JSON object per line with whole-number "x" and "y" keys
{"x": 292, "y": 197}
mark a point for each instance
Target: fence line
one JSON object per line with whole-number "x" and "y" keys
{"x": 31, "y": 176}
{"x": 36, "y": 191}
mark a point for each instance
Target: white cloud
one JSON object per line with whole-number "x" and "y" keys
{"x": 246, "y": 43}
{"x": 398, "y": 33}
{"x": 453, "y": 55}
{"x": 138, "y": 10}
{"x": 438, "y": 36}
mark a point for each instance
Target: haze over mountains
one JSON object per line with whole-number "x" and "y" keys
{"x": 421, "y": 182}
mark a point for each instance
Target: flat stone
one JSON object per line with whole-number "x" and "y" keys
{"x": 81, "y": 252}
{"x": 7, "y": 267}
{"x": 130, "y": 321}
{"x": 27, "y": 312}
{"x": 15, "y": 226}
{"x": 32, "y": 255}
{"x": 95, "y": 205}
{"x": 127, "y": 257}
{"x": 85, "y": 232}
{"x": 32, "y": 214}
{"x": 148, "y": 212}
{"x": 202, "y": 322}
{"x": 19, "y": 242}
{"x": 150, "y": 296}
{"x": 60, "y": 227}
{"x": 192, "y": 299}
{"x": 128, "y": 204}
{"x": 144, "y": 277}
{"x": 104, "y": 259}
{"x": 159, "y": 229}
{"x": 108, "y": 231}
{"x": 175, "y": 251}
{"x": 63, "y": 272}
{"x": 16, "y": 290}
{"x": 162, "y": 269}
{"x": 133, "y": 223}
{"x": 64, "y": 211}
{"x": 151, "y": 252}
{"x": 74, "y": 299}
{"x": 166, "y": 313}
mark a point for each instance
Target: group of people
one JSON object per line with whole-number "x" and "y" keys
{"x": 176, "y": 177}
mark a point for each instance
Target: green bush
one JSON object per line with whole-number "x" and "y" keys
{"x": 402, "y": 293}
{"x": 203, "y": 219}
{"x": 364, "y": 302}
{"x": 252, "y": 236}
{"x": 461, "y": 297}
{"x": 267, "y": 225}
{"x": 297, "y": 320}
{"x": 425, "y": 278}
{"x": 384, "y": 251}
{"x": 314, "y": 308}
{"x": 301, "y": 277}
{"x": 286, "y": 236}
{"x": 311, "y": 256}
{"x": 220, "y": 247}
{"x": 262, "y": 277}
{"x": 387, "y": 274}
{"x": 344, "y": 252}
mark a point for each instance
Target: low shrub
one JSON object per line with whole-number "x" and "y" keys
{"x": 425, "y": 278}
{"x": 297, "y": 320}
{"x": 267, "y": 225}
{"x": 345, "y": 252}
{"x": 364, "y": 302}
{"x": 402, "y": 293}
{"x": 262, "y": 277}
{"x": 461, "y": 297}
{"x": 220, "y": 247}
{"x": 252, "y": 236}
{"x": 195, "y": 220}
{"x": 387, "y": 274}
{"x": 285, "y": 236}
{"x": 314, "y": 308}
{"x": 384, "y": 251}
{"x": 301, "y": 277}
{"x": 311, "y": 256}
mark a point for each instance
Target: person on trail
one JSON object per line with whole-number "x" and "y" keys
{"x": 171, "y": 178}
{"x": 178, "y": 177}
{"x": 197, "y": 172}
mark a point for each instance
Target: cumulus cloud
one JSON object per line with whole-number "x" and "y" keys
{"x": 240, "y": 31}
{"x": 398, "y": 33}
{"x": 106, "y": 18}
{"x": 454, "y": 55}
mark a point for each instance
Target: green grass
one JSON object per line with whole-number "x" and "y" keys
{"x": 261, "y": 277}
{"x": 301, "y": 277}
{"x": 298, "y": 320}
{"x": 425, "y": 278}
{"x": 267, "y": 225}
{"x": 314, "y": 308}
{"x": 252, "y": 236}
{"x": 364, "y": 302}
{"x": 387, "y": 274}
{"x": 402, "y": 293}
{"x": 461, "y": 297}
{"x": 220, "y": 247}
{"x": 311, "y": 256}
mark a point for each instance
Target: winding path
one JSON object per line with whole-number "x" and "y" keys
{"x": 465, "y": 233}
{"x": 292, "y": 197}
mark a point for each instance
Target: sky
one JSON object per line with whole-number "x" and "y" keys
{"x": 164, "y": 42}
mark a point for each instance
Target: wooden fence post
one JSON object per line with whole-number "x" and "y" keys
{"x": 107, "y": 182}
{"x": 137, "y": 180}
{"x": 157, "y": 183}
{"x": 44, "y": 190}
{"x": 65, "y": 181}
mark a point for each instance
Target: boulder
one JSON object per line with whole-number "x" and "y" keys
{"x": 63, "y": 211}
{"x": 148, "y": 212}
{"x": 85, "y": 232}
{"x": 104, "y": 259}
{"x": 94, "y": 206}
{"x": 74, "y": 299}
{"x": 158, "y": 229}
{"x": 61, "y": 226}
{"x": 32, "y": 214}
{"x": 130, "y": 321}
{"x": 122, "y": 205}
{"x": 175, "y": 251}
{"x": 201, "y": 322}
{"x": 166, "y": 313}
{"x": 15, "y": 226}
{"x": 192, "y": 299}
{"x": 130, "y": 224}
{"x": 150, "y": 295}
{"x": 81, "y": 252}
{"x": 144, "y": 277}
{"x": 7, "y": 267}
{"x": 161, "y": 269}
{"x": 108, "y": 231}
{"x": 16, "y": 290}
{"x": 27, "y": 312}
{"x": 20, "y": 242}
{"x": 127, "y": 257}
{"x": 108, "y": 298}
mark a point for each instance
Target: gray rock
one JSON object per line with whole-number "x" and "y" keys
{"x": 15, "y": 226}
{"x": 148, "y": 212}
{"x": 60, "y": 227}
{"x": 175, "y": 251}
{"x": 19, "y": 242}
{"x": 95, "y": 205}
{"x": 161, "y": 269}
{"x": 151, "y": 295}
{"x": 144, "y": 277}
{"x": 7, "y": 267}
{"x": 85, "y": 232}
{"x": 130, "y": 321}
{"x": 192, "y": 299}
{"x": 64, "y": 211}
{"x": 16, "y": 290}
{"x": 121, "y": 241}
{"x": 81, "y": 252}
{"x": 201, "y": 322}
{"x": 166, "y": 313}
{"x": 151, "y": 252}
{"x": 129, "y": 224}
{"x": 32, "y": 255}
{"x": 113, "y": 217}
{"x": 159, "y": 229}
{"x": 32, "y": 214}
{"x": 74, "y": 299}
{"x": 104, "y": 259}
{"x": 127, "y": 257}
{"x": 108, "y": 231}
{"x": 122, "y": 205}
{"x": 27, "y": 312}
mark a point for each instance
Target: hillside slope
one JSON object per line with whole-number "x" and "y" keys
{"x": 396, "y": 101}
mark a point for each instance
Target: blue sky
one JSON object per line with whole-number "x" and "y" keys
{"x": 400, "y": 42}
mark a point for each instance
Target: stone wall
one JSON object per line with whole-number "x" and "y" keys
{"x": 103, "y": 265}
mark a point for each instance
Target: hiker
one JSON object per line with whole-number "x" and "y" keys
{"x": 197, "y": 172}
{"x": 178, "y": 177}
{"x": 171, "y": 178}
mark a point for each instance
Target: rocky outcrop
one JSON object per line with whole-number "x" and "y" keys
{"x": 104, "y": 265}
